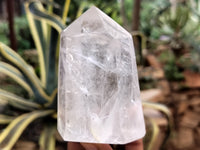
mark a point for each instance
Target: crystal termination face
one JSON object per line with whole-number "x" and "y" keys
{"x": 98, "y": 91}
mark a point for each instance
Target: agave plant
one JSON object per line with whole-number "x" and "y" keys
{"x": 45, "y": 24}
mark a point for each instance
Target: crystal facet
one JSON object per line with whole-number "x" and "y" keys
{"x": 98, "y": 91}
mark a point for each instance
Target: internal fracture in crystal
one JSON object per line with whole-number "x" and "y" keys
{"x": 98, "y": 91}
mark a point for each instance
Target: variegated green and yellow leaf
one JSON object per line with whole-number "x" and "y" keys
{"x": 162, "y": 108}
{"x": 15, "y": 74}
{"x": 84, "y": 4}
{"x": 143, "y": 38}
{"x": 154, "y": 136}
{"x": 17, "y": 101}
{"x": 65, "y": 11}
{"x": 5, "y": 119}
{"x": 50, "y": 7}
{"x": 3, "y": 103}
{"x": 40, "y": 13}
{"x": 54, "y": 115}
{"x": 16, "y": 59}
{"x": 40, "y": 21}
{"x": 10, "y": 135}
{"x": 47, "y": 138}
{"x": 27, "y": 71}
{"x": 38, "y": 31}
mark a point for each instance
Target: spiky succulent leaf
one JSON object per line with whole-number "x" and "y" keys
{"x": 154, "y": 136}
{"x": 162, "y": 108}
{"x": 17, "y": 101}
{"x": 65, "y": 10}
{"x": 16, "y": 75}
{"x": 47, "y": 138}
{"x": 45, "y": 29}
{"x": 11, "y": 134}
{"x": 28, "y": 72}
{"x": 5, "y": 119}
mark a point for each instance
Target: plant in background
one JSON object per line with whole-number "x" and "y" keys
{"x": 172, "y": 21}
{"x": 45, "y": 25}
{"x": 180, "y": 23}
{"x": 3, "y": 32}
{"x": 41, "y": 102}
{"x": 150, "y": 10}
{"x": 23, "y": 35}
{"x": 193, "y": 34}
{"x": 110, "y": 7}
{"x": 179, "y": 28}
{"x": 171, "y": 67}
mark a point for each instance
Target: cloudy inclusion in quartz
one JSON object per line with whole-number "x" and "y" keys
{"x": 98, "y": 91}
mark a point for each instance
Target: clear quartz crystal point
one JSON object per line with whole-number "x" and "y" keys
{"x": 98, "y": 91}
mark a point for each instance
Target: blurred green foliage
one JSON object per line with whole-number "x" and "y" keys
{"x": 22, "y": 32}
{"x": 172, "y": 72}
{"x": 149, "y": 11}
{"x": 110, "y": 7}
{"x": 4, "y": 32}
{"x": 178, "y": 26}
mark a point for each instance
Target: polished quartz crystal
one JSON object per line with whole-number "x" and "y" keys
{"x": 98, "y": 91}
